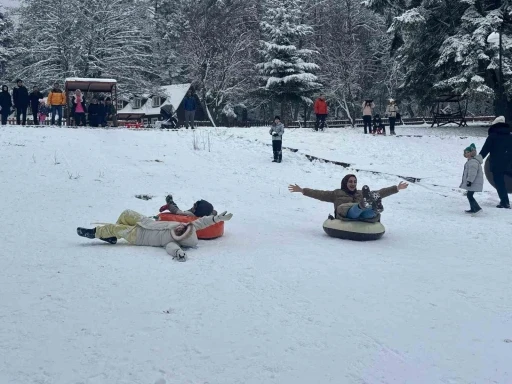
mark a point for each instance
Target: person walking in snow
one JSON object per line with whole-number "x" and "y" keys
{"x": 78, "y": 108}
{"x": 277, "y": 131}
{"x": 499, "y": 146}
{"x": 21, "y": 100}
{"x": 138, "y": 229}
{"x": 472, "y": 177}
{"x": 391, "y": 113}
{"x": 199, "y": 209}
{"x": 321, "y": 111}
{"x": 368, "y": 106}
{"x": 189, "y": 104}
{"x": 56, "y": 100}
{"x": 5, "y": 104}
{"x": 34, "y": 98}
{"x": 350, "y": 203}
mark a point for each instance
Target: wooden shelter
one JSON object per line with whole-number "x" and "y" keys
{"x": 88, "y": 85}
{"x": 457, "y": 115}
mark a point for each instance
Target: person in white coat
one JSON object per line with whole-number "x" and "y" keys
{"x": 138, "y": 229}
{"x": 391, "y": 112}
{"x": 472, "y": 177}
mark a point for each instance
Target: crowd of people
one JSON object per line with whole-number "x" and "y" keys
{"x": 98, "y": 112}
{"x": 372, "y": 122}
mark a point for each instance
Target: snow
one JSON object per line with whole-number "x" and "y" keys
{"x": 90, "y": 80}
{"x": 173, "y": 94}
{"x": 273, "y": 301}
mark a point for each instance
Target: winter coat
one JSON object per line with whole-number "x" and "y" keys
{"x": 56, "y": 97}
{"x": 342, "y": 200}
{"x": 189, "y": 103}
{"x": 5, "y": 101}
{"x": 94, "y": 110}
{"x": 44, "y": 110}
{"x": 110, "y": 110}
{"x": 474, "y": 174}
{"x": 73, "y": 106}
{"x": 34, "y": 98}
{"x": 499, "y": 145}
{"x": 277, "y": 128}
{"x": 391, "y": 110}
{"x": 158, "y": 233}
{"x": 368, "y": 109}
{"x": 320, "y": 107}
{"x": 377, "y": 122}
{"x": 20, "y": 97}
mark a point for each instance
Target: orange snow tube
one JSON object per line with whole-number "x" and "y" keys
{"x": 208, "y": 233}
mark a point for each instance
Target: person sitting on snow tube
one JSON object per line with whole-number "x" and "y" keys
{"x": 199, "y": 209}
{"x": 138, "y": 229}
{"x": 350, "y": 203}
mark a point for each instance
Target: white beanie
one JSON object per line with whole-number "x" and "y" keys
{"x": 499, "y": 119}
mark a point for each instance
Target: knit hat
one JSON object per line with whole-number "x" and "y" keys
{"x": 471, "y": 148}
{"x": 499, "y": 119}
{"x": 344, "y": 182}
{"x": 277, "y": 117}
{"x": 203, "y": 208}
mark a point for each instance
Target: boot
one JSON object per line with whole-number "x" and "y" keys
{"x": 84, "y": 232}
{"x": 91, "y": 234}
{"x": 280, "y": 156}
{"x": 275, "y": 157}
{"x": 372, "y": 199}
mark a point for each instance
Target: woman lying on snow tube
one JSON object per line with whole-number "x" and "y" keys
{"x": 357, "y": 213}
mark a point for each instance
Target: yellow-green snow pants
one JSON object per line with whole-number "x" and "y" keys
{"x": 125, "y": 227}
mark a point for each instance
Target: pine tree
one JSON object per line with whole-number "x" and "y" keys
{"x": 6, "y": 43}
{"x": 286, "y": 69}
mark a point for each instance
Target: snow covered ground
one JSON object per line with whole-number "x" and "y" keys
{"x": 273, "y": 301}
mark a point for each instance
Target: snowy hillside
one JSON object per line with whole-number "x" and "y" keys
{"x": 273, "y": 301}
{"x": 8, "y": 3}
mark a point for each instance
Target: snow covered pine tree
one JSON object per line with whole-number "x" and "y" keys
{"x": 286, "y": 71}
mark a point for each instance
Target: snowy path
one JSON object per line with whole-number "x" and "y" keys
{"x": 273, "y": 301}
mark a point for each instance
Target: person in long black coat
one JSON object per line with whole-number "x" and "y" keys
{"x": 5, "y": 104}
{"x": 499, "y": 145}
{"x": 34, "y": 98}
{"x": 94, "y": 112}
{"x": 21, "y": 100}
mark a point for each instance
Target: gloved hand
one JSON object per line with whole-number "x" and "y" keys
{"x": 274, "y": 134}
{"x": 224, "y": 216}
{"x": 468, "y": 184}
{"x": 180, "y": 255}
{"x": 164, "y": 208}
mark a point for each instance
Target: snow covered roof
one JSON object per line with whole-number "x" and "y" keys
{"x": 89, "y": 84}
{"x": 173, "y": 95}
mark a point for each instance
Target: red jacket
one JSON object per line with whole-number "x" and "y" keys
{"x": 320, "y": 107}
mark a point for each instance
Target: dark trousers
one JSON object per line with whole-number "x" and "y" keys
{"x": 5, "y": 115}
{"x": 21, "y": 111}
{"x": 56, "y": 110}
{"x": 277, "y": 146}
{"x": 501, "y": 188}
{"x": 382, "y": 127}
{"x": 320, "y": 122}
{"x": 367, "y": 122}
{"x": 34, "y": 114}
{"x": 472, "y": 202}
{"x": 80, "y": 119}
{"x": 392, "y": 121}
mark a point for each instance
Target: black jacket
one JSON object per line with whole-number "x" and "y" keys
{"x": 73, "y": 107}
{"x": 5, "y": 101}
{"x": 499, "y": 145}
{"x": 94, "y": 110}
{"x": 20, "y": 97}
{"x": 34, "y": 98}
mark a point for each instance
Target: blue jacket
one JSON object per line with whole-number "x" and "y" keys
{"x": 189, "y": 103}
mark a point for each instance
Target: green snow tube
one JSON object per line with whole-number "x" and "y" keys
{"x": 353, "y": 229}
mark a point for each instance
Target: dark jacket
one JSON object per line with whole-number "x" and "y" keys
{"x": 73, "y": 105}
{"x": 189, "y": 103}
{"x": 499, "y": 145}
{"x": 5, "y": 101}
{"x": 20, "y": 97}
{"x": 34, "y": 98}
{"x": 94, "y": 110}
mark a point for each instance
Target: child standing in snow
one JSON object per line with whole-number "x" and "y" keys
{"x": 277, "y": 131}
{"x": 43, "y": 112}
{"x": 473, "y": 177}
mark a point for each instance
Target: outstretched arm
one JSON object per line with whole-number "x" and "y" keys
{"x": 327, "y": 196}
{"x": 206, "y": 221}
{"x": 486, "y": 148}
{"x": 385, "y": 192}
